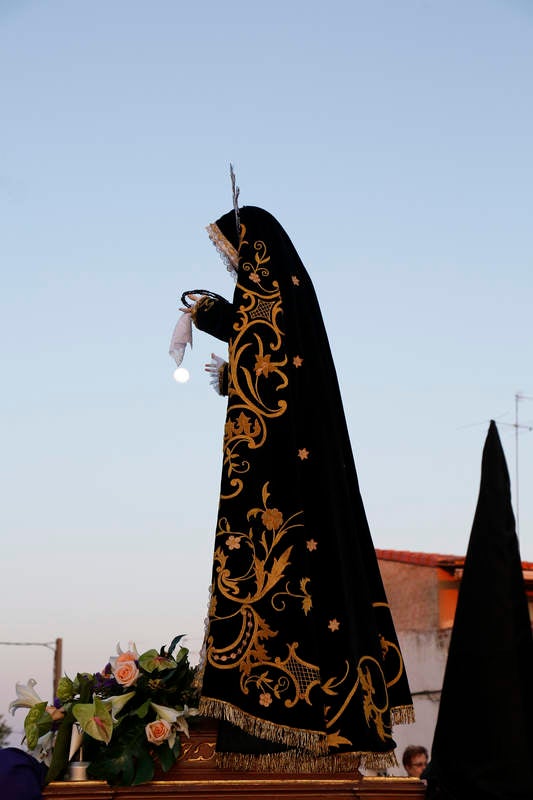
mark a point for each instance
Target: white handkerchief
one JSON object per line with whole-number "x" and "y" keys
{"x": 181, "y": 337}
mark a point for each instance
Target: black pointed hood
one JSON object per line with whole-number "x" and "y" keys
{"x": 483, "y": 743}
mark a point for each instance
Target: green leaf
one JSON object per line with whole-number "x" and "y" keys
{"x": 65, "y": 689}
{"x": 166, "y": 756}
{"x": 37, "y": 722}
{"x": 142, "y": 711}
{"x": 174, "y": 643}
{"x": 183, "y": 652}
{"x": 61, "y": 748}
{"x": 116, "y": 766}
{"x": 145, "y": 768}
{"x": 95, "y": 719}
{"x": 118, "y": 763}
{"x": 151, "y": 661}
{"x": 85, "y": 682}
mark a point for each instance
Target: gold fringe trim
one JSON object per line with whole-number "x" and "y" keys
{"x": 224, "y": 248}
{"x": 379, "y": 761}
{"x": 403, "y": 715}
{"x": 302, "y": 762}
{"x": 314, "y": 742}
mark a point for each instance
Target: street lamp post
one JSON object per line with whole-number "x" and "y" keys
{"x": 57, "y": 649}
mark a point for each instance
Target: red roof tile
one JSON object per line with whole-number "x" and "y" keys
{"x": 429, "y": 559}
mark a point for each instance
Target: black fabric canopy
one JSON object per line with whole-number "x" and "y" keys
{"x": 483, "y": 743}
{"x": 300, "y": 654}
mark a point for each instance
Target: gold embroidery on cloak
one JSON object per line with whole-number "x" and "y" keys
{"x": 292, "y": 678}
{"x": 257, "y": 328}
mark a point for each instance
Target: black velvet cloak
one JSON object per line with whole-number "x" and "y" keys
{"x": 483, "y": 742}
{"x": 300, "y": 649}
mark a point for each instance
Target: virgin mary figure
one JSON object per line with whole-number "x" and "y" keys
{"x": 301, "y": 661}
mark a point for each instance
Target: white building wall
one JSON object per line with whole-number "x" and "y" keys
{"x": 425, "y": 654}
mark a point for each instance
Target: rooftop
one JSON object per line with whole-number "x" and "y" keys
{"x": 431, "y": 559}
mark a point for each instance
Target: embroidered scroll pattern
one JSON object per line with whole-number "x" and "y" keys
{"x": 370, "y": 681}
{"x": 264, "y": 555}
{"x": 373, "y": 680}
{"x": 256, "y": 364}
{"x": 391, "y": 654}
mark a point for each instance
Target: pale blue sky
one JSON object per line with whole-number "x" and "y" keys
{"x": 391, "y": 138}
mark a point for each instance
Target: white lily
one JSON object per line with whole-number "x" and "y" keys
{"x": 166, "y": 713}
{"x": 132, "y": 650}
{"x": 117, "y": 703}
{"x": 181, "y": 722}
{"x": 27, "y": 697}
{"x": 45, "y": 747}
{"x": 176, "y": 717}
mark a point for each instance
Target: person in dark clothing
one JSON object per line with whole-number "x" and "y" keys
{"x": 21, "y": 775}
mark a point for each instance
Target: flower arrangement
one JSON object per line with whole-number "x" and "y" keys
{"x": 123, "y": 719}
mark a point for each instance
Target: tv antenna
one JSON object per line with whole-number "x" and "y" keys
{"x": 517, "y": 398}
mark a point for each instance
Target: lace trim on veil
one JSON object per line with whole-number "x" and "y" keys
{"x": 225, "y": 249}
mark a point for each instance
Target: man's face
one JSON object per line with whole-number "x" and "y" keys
{"x": 417, "y": 765}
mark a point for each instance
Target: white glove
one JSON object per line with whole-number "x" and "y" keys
{"x": 214, "y": 369}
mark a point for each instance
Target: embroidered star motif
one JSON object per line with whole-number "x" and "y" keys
{"x": 334, "y": 625}
{"x": 295, "y": 280}
{"x": 311, "y": 545}
{"x": 303, "y": 454}
{"x": 297, "y": 361}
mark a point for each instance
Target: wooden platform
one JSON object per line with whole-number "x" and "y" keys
{"x": 196, "y": 777}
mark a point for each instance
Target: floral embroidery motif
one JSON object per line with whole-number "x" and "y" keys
{"x": 297, "y": 361}
{"x": 373, "y": 713}
{"x": 261, "y": 577}
{"x": 295, "y": 280}
{"x": 272, "y": 519}
{"x": 263, "y": 365}
{"x": 257, "y": 270}
{"x": 334, "y": 625}
{"x": 233, "y": 542}
{"x": 303, "y": 454}
{"x": 311, "y": 545}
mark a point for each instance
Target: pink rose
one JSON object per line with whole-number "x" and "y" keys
{"x": 126, "y": 673}
{"x": 158, "y": 731}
